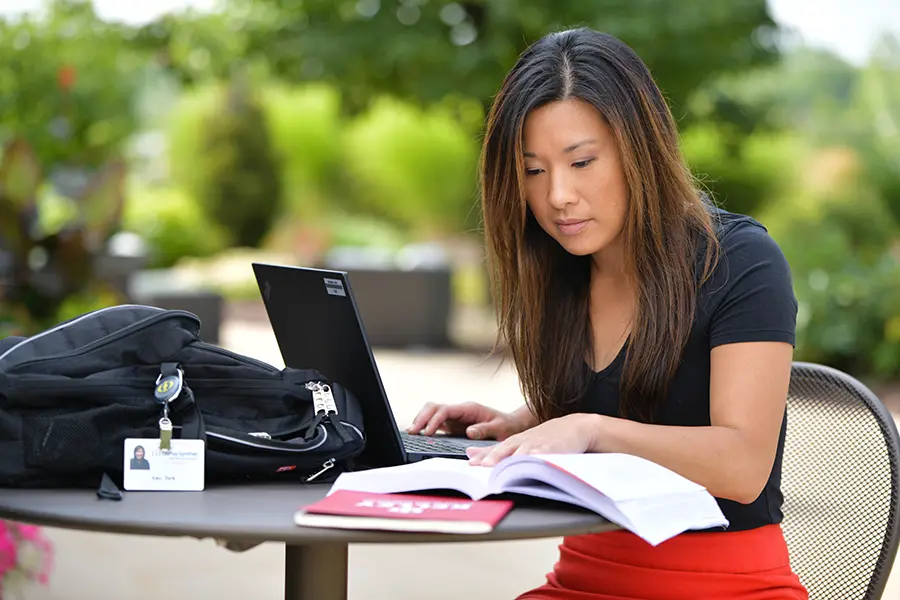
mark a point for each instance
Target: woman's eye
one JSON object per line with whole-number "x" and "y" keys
{"x": 583, "y": 163}
{"x": 532, "y": 171}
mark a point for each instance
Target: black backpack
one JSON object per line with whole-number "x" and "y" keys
{"x": 71, "y": 395}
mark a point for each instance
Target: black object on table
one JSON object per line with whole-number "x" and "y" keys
{"x": 316, "y": 564}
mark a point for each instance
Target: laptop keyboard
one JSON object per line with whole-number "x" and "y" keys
{"x": 424, "y": 443}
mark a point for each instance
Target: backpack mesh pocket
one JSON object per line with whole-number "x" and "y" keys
{"x": 71, "y": 442}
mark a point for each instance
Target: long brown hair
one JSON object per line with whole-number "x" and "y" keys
{"x": 541, "y": 292}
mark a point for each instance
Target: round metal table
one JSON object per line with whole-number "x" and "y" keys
{"x": 316, "y": 560}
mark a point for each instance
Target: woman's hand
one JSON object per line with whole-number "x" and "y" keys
{"x": 475, "y": 421}
{"x": 573, "y": 434}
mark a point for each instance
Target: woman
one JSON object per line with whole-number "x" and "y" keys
{"x": 139, "y": 461}
{"x": 641, "y": 319}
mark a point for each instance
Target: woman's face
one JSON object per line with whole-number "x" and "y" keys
{"x": 139, "y": 453}
{"x": 574, "y": 182}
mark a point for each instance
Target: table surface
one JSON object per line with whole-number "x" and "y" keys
{"x": 259, "y": 513}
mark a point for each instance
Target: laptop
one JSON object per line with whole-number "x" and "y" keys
{"x": 317, "y": 325}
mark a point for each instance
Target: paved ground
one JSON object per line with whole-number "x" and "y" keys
{"x": 94, "y": 566}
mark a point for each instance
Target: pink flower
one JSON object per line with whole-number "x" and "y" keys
{"x": 25, "y": 552}
{"x": 7, "y": 552}
{"x": 26, "y": 555}
{"x": 47, "y": 565}
{"x": 32, "y": 533}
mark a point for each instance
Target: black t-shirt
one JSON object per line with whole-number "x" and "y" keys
{"x": 749, "y": 297}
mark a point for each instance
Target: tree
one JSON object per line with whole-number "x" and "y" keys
{"x": 879, "y": 100}
{"x": 425, "y": 51}
{"x": 242, "y": 187}
{"x": 66, "y": 84}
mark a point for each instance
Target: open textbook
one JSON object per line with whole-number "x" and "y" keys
{"x": 641, "y": 496}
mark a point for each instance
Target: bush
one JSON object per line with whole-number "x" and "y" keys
{"x": 309, "y": 240}
{"x": 837, "y": 235}
{"x": 222, "y": 154}
{"x": 363, "y": 231}
{"x": 412, "y": 166}
{"x": 173, "y": 225}
{"x": 244, "y": 186}
{"x": 185, "y": 133}
{"x": 306, "y": 124}
{"x": 742, "y": 172}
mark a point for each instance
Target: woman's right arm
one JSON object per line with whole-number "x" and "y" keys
{"x": 525, "y": 417}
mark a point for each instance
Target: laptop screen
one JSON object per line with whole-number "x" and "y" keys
{"x": 317, "y": 326}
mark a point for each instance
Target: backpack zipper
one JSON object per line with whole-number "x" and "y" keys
{"x": 144, "y": 323}
{"x": 247, "y": 360}
{"x": 261, "y": 446}
{"x": 265, "y": 435}
{"x": 43, "y": 385}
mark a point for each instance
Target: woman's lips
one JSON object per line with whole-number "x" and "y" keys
{"x": 571, "y": 227}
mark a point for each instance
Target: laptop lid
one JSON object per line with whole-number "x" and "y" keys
{"x": 317, "y": 325}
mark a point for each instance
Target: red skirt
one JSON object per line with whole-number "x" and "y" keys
{"x": 618, "y": 565}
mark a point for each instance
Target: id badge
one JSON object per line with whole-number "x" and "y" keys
{"x": 180, "y": 468}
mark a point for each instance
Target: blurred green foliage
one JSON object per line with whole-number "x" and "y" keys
{"x": 306, "y": 125}
{"x": 836, "y": 217}
{"x": 222, "y": 154}
{"x": 741, "y": 171}
{"x": 51, "y": 248}
{"x": 242, "y": 190}
{"x": 395, "y": 161}
{"x": 413, "y": 167}
{"x": 879, "y": 133}
{"x": 841, "y": 242}
{"x": 67, "y": 84}
{"x": 184, "y": 133}
{"x": 424, "y": 51}
{"x": 301, "y": 125}
{"x": 172, "y": 224}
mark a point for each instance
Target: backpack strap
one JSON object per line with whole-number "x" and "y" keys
{"x": 108, "y": 489}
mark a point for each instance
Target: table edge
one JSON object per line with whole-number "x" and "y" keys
{"x": 310, "y": 536}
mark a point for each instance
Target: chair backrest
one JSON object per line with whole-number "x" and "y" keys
{"x": 841, "y": 485}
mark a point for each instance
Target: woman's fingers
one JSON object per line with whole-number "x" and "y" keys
{"x": 436, "y": 421}
{"x": 423, "y": 417}
{"x": 491, "y": 455}
{"x": 450, "y": 417}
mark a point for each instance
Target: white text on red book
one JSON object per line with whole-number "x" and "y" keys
{"x": 413, "y": 507}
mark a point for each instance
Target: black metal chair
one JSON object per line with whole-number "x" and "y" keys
{"x": 841, "y": 483}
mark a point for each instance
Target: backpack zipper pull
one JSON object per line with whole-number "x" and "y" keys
{"x": 326, "y": 410}
{"x": 325, "y": 466}
{"x": 313, "y": 425}
{"x": 328, "y": 399}
{"x": 319, "y": 407}
{"x": 331, "y": 409}
{"x": 318, "y": 397}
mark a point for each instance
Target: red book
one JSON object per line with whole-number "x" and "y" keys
{"x": 346, "y": 509}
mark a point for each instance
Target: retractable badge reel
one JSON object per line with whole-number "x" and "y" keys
{"x": 168, "y": 388}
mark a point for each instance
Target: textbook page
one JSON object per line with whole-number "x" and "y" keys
{"x": 621, "y": 477}
{"x": 661, "y": 519}
{"x": 429, "y": 474}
